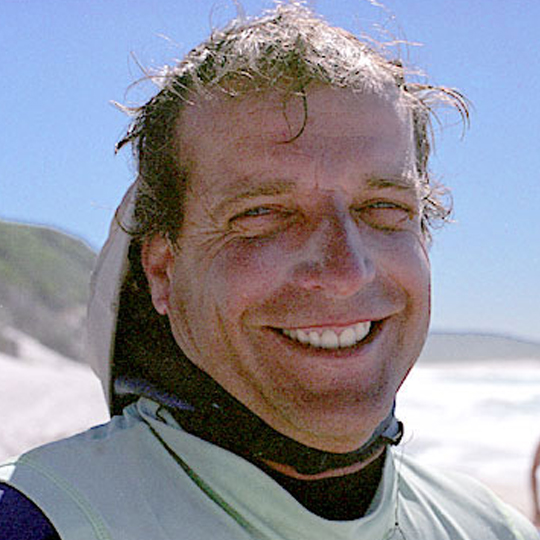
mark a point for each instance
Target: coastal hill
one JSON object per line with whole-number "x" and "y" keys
{"x": 462, "y": 347}
{"x": 44, "y": 279}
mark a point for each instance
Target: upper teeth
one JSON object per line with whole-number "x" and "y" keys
{"x": 330, "y": 339}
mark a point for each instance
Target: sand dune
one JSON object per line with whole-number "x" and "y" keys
{"x": 44, "y": 397}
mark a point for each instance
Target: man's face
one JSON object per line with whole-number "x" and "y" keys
{"x": 300, "y": 279}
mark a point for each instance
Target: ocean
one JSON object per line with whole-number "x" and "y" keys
{"x": 482, "y": 419}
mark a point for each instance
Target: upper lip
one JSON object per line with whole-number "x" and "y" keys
{"x": 320, "y": 317}
{"x": 326, "y": 326}
{"x": 330, "y": 325}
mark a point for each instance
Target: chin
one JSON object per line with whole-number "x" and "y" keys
{"x": 338, "y": 429}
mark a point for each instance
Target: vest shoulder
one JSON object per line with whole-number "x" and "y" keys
{"x": 462, "y": 502}
{"x": 118, "y": 481}
{"x": 92, "y": 446}
{"x": 81, "y": 481}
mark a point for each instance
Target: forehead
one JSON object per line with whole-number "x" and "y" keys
{"x": 229, "y": 140}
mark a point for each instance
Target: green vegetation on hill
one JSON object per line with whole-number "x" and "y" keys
{"x": 44, "y": 277}
{"x": 52, "y": 265}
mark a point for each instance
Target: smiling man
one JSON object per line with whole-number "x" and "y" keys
{"x": 301, "y": 262}
{"x": 263, "y": 295}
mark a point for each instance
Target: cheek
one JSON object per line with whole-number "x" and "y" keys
{"x": 416, "y": 280}
{"x": 406, "y": 261}
{"x": 418, "y": 273}
{"x": 247, "y": 271}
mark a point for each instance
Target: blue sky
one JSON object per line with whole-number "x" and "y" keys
{"x": 63, "y": 61}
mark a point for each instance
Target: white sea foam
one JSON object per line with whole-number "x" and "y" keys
{"x": 483, "y": 420}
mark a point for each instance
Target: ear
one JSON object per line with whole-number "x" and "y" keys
{"x": 157, "y": 260}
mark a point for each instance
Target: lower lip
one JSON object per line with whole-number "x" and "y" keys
{"x": 339, "y": 352}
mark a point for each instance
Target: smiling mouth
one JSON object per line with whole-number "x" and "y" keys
{"x": 326, "y": 338}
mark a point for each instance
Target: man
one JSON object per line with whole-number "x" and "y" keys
{"x": 534, "y": 486}
{"x": 275, "y": 298}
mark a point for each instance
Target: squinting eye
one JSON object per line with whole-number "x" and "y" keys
{"x": 385, "y": 215}
{"x": 261, "y": 220}
{"x": 255, "y": 212}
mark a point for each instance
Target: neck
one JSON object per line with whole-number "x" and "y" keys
{"x": 338, "y": 498}
{"x": 203, "y": 408}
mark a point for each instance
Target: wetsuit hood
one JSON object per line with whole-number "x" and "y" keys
{"x": 105, "y": 286}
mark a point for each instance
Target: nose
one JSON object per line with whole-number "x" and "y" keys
{"x": 336, "y": 258}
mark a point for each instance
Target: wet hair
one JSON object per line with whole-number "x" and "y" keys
{"x": 287, "y": 49}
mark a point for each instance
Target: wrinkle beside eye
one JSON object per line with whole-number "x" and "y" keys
{"x": 206, "y": 235}
{"x": 262, "y": 220}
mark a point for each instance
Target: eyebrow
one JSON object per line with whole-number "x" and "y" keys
{"x": 244, "y": 189}
{"x": 401, "y": 183}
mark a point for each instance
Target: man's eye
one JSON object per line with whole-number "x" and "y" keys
{"x": 260, "y": 220}
{"x": 255, "y": 212}
{"x": 385, "y": 215}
